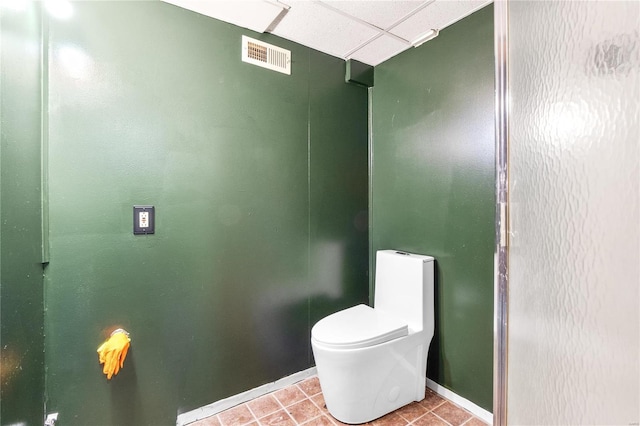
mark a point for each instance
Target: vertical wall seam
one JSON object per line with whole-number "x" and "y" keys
{"x": 501, "y": 277}
{"x": 309, "y": 274}
{"x": 44, "y": 135}
{"x": 44, "y": 179}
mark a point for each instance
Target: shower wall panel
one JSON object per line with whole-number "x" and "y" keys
{"x": 574, "y": 309}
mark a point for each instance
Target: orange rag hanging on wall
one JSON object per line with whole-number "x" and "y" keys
{"x": 113, "y": 352}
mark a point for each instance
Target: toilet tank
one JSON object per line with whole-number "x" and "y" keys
{"x": 404, "y": 288}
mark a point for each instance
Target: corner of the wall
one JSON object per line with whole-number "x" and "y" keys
{"x": 474, "y": 409}
{"x": 358, "y": 73}
{"x": 192, "y": 416}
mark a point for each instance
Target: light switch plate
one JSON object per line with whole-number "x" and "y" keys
{"x": 144, "y": 220}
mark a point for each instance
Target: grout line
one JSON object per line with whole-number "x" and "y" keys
{"x": 324, "y": 412}
{"x": 314, "y": 403}
{"x": 310, "y": 420}
{"x": 440, "y": 418}
{"x": 291, "y": 417}
{"x": 255, "y": 417}
{"x": 444, "y": 401}
{"x": 282, "y": 407}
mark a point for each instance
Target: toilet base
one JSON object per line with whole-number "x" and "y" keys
{"x": 361, "y": 385}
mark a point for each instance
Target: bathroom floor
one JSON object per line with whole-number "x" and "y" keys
{"x": 303, "y": 404}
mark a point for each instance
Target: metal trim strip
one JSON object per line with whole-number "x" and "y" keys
{"x": 501, "y": 276}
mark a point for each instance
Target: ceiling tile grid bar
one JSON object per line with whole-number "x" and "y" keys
{"x": 355, "y": 18}
{"x": 369, "y": 31}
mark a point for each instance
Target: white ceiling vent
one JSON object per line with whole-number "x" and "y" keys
{"x": 265, "y": 55}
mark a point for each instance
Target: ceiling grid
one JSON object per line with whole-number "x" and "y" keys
{"x": 369, "y": 31}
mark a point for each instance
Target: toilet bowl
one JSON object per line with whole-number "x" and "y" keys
{"x": 372, "y": 361}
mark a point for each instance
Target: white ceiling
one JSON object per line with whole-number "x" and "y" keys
{"x": 369, "y": 31}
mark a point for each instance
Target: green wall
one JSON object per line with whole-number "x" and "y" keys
{"x": 433, "y": 188}
{"x": 259, "y": 180}
{"x": 260, "y": 187}
{"x": 21, "y": 302}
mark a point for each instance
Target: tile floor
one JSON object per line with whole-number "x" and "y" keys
{"x": 303, "y": 404}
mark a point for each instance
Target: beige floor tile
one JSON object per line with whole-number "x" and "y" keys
{"x": 305, "y": 405}
{"x": 431, "y": 400}
{"x": 319, "y": 421}
{"x": 303, "y": 411}
{"x": 279, "y": 418}
{"x": 311, "y": 386}
{"x": 429, "y": 419}
{"x": 236, "y": 416}
{"x": 391, "y": 419}
{"x": 452, "y": 413}
{"x": 209, "y": 421}
{"x": 474, "y": 421}
{"x": 264, "y": 405}
{"x": 289, "y": 395}
{"x": 412, "y": 411}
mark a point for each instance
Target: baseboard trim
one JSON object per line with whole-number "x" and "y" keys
{"x": 474, "y": 409}
{"x": 224, "y": 404}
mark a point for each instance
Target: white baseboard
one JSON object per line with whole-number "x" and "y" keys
{"x": 462, "y": 402}
{"x": 224, "y": 404}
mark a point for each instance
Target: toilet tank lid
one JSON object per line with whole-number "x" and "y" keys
{"x": 357, "y": 327}
{"x": 400, "y": 253}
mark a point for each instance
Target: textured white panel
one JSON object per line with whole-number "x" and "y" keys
{"x": 313, "y": 25}
{"x": 380, "y": 13}
{"x": 574, "y": 274}
{"x": 379, "y": 50}
{"x": 437, "y": 15}
{"x": 256, "y": 15}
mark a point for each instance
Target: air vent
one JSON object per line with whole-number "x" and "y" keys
{"x": 265, "y": 55}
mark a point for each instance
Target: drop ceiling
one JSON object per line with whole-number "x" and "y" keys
{"x": 369, "y": 31}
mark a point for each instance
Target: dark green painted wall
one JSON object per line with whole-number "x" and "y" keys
{"x": 21, "y": 294}
{"x": 338, "y": 182}
{"x": 260, "y": 186}
{"x": 259, "y": 181}
{"x": 433, "y": 188}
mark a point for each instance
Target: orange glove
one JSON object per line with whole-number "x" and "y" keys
{"x": 113, "y": 352}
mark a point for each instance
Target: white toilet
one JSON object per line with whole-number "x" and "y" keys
{"x": 372, "y": 361}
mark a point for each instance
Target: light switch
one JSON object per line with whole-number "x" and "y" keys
{"x": 143, "y": 220}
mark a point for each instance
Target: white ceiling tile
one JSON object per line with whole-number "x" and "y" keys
{"x": 256, "y": 15}
{"x": 313, "y": 25}
{"x": 326, "y": 25}
{"x": 381, "y": 13}
{"x": 437, "y": 15}
{"x": 379, "y": 50}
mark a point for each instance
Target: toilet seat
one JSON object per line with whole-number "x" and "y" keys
{"x": 358, "y": 327}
